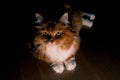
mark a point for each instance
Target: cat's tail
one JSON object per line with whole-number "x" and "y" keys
{"x": 68, "y": 7}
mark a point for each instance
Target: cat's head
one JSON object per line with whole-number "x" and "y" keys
{"x": 62, "y": 31}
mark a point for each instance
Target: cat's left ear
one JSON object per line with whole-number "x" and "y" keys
{"x": 64, "y": 18}
{"x": 39, "y": 18}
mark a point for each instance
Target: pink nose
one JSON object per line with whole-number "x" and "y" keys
{"x": 51, "y": 40}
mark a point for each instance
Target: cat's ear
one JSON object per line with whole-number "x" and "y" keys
{"x": 64, "y": 18}
{"x": 39, "y": 18}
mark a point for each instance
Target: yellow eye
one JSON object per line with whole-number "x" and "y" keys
{"x": 45, "y": 34}
{"x": 59, "y": 33}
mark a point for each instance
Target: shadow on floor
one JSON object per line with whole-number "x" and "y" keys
{"x": 94, "y": 62}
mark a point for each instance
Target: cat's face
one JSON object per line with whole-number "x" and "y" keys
{"x": 57, "y": 33}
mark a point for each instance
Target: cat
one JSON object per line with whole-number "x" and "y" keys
{"x": 57, "y": 41}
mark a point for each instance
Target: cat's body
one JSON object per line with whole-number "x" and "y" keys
{"x": 57, "y": 42}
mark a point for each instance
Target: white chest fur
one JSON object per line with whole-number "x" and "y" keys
{"x": 56, "y": 54}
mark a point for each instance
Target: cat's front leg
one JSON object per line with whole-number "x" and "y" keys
{"x": 70, "y": 64}
{"x": 58, "y": 67}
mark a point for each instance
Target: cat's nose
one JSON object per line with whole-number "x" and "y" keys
{"x": 51, "y": 40}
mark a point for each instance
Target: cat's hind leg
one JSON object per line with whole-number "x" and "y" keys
{"x": 70, "y": 64}
{"x": 58, "y": 68}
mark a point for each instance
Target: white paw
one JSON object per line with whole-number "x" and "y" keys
{"x": 70, "y": 66}
{"x": 58, "y": 68}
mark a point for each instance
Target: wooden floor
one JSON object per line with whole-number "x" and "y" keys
{"x": 94, "y": 62}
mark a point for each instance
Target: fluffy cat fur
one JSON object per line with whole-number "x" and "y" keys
{"x": 56, "y": 42}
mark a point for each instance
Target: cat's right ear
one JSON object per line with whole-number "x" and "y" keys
{"x": 39, "y": 18}
{"x": 64, "y": 18}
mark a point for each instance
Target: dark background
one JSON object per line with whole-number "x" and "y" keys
{"x": 105, "y": 30}
{"x": 18, "y": 26}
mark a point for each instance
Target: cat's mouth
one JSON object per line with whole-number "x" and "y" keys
{"x": 51, "y": 43}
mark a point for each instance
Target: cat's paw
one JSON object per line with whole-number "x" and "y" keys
{"x": 58, "y": 68}
{"x": 70, "y": 65}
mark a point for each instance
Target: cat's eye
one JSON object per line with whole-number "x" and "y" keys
{"x": 58, "y": 33}
{"x": 44, "y": 34}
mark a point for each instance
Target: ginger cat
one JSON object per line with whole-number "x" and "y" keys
{"x": 56, "y": 42}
